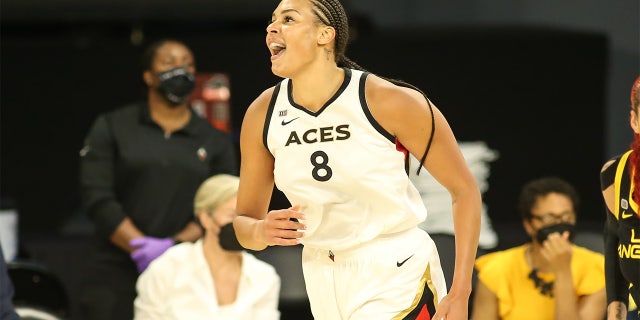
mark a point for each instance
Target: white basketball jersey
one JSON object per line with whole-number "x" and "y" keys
{"x": 341, "y": 167}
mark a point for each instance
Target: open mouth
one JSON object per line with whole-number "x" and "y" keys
{"x": 276, "y": 49}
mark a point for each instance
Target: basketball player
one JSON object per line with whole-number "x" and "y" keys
{"x": 331, "y": 137}
{"x": 622, "y": 230}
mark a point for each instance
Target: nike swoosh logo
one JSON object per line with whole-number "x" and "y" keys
{"x": 626, "y": 215}
{"x": 284, "y": 123}
{"x": 399, "y": 264}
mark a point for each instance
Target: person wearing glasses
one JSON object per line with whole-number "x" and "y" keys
{"x": 548, "y": 277}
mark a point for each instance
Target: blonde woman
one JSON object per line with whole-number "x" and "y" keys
{"x": 202, "y": 280}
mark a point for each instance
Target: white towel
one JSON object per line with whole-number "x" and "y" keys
{"x": 438, "y": 201}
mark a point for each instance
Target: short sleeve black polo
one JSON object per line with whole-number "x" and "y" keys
{"x": 130, "y": 168}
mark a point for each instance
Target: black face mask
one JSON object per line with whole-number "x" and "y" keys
{"x": 176, "y": 85}
{"x": 543, "y": 233}
{"x": 228, "y": 239}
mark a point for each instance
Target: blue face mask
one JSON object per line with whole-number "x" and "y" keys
{"x": 543, "y": 233}
{"x": 176, "y": 85}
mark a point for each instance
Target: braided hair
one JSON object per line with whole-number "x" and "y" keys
{"x": 634, "y": 168}
{"x": 331, "y": 13}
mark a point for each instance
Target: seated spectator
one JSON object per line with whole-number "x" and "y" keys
{"x": 203, "y": 280}
{"x": 549, "y": 277}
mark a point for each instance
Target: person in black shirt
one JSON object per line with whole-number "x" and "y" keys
{"x": 620, "y": 178}
{"x": 139, "y": 170}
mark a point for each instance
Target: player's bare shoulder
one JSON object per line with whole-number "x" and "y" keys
{"x": 253, "y": 121}
{"x": 607, "y": 164}
{"x": 258, "y": 108}
{"x": 261, "y": 103}
{"x": 381, "y": 94}
{"x": 388, "y": 100}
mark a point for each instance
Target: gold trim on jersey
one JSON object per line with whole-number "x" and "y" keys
{"x": 632, "y": 204}
{"x": 620, "y": 172}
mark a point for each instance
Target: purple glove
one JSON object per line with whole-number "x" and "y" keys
{"x": 147, "y": 249}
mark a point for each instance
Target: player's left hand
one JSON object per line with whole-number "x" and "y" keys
{"x": 452, "y": 307}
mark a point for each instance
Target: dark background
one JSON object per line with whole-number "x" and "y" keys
{"x": 510, "y": 90}
{"x": 545, "y": 86}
